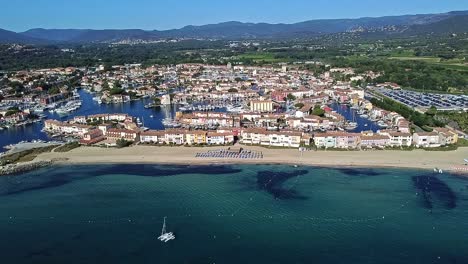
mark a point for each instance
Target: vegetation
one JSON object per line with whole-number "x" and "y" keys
{"x": 318, "y": 111}
{"x": 24, "y": 156}
{"x": 462, "y": 142}
{"x": 457, "y": 120}
{"x": 122, "y": 143}
{"x": 421, "y": 120}
{"x": 299, "y": 105}
{"x": 67, "y": 147}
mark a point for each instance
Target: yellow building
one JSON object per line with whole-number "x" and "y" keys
{"x": 195, "y": 137}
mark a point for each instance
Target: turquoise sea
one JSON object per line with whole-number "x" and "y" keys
{"x": 233, "y": 214}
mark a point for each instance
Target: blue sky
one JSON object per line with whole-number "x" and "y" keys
{"x": 20, "y": 15}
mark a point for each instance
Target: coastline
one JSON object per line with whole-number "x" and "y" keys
{"x": 416, "y": 159}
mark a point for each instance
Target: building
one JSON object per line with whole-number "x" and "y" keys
{"x": 374, "y": 141}
{"x": 116, "y": 133}
{"x": 152, "y": 136}
{"x": 256, "y": 136}
{"x": 217, "y": 138}
{"x": 447, "y": 136}
{"x": 92, "y": 137}
{"x": 342, "y": 140}
{"x": 398, "y": 139}
{"x": 426, "y": 139}
{"x": 195, "y": 137}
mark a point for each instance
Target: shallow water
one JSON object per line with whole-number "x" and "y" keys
{"x": 233, "y": 214}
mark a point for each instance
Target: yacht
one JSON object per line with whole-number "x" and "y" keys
{"x": 166, "y": 236}
{"x": 138, "y": 121}
{"x": 351, "y": 126}
{"x": 169, "y": 123}
{"x": 382, "y": 124}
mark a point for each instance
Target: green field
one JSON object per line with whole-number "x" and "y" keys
{"x": 425, "y": 59}
{"x": 259, "y": 57}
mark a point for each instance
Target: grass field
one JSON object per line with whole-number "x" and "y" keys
{"x": 258, "y": 57}
{"x": 450, "y": 64}
{"x": 426, "y": 59}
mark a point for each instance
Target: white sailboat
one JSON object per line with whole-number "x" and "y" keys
{"x": 166, "y": 236}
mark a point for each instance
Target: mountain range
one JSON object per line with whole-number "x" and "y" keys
{"x": 451, "y": 22}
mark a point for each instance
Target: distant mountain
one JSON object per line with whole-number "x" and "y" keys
{"x": 456, "y": 24}
{"x": 409, "y": 24}
{"x": 55, "y": 34}
{"x": 13, "y": 37}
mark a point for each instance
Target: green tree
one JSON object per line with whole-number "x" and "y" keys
{"x": 233, "y": 90}
{"x": 299, "y": 105}
{"x": 105, "y": 85}
{"x": 122, "y": 143}
{"x": 318, "y": 111}
{"x": 432, "y": 111}
{"x": 291, "y": 97}
{"x": 53, "y": 90}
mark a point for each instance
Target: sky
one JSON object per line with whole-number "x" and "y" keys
{"x": 21, "y": 15}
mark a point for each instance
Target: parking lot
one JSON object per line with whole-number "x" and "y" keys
{"x": 426, "y": 100}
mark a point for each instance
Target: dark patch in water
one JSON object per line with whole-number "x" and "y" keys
{"x": 46, "y": 252}
{"x": 272, "y": 181}
{"x": 159, "y": 171}
{"x": 50, "y": 179}
{"x": 78, "y": 236}
{"x": 431, "y": 188}
{"x": 44, "y": 185}
{"x": 357, "y": 172}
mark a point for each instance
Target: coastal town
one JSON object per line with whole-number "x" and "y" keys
{"x": 234, "y": 132}
{"x": 281, "y": 106}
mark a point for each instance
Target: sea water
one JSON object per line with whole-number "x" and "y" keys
{"x": 233, "y": 214}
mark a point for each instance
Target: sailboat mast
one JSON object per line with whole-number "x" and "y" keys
{"x": 163, "y": 231}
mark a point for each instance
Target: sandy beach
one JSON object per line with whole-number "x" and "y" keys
{"x": 445, "y": 160}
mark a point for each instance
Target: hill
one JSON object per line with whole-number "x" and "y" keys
{"x": 406, "y": 24}
{"x": 13, "y": 37}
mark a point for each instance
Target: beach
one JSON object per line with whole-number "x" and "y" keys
{"x": 445, "y": 160}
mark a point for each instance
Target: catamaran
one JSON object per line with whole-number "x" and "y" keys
{"x": 166, "y": 236}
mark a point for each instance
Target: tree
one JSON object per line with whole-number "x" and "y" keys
{"x": 291, "y": 97}
{"x": 157, "y": 100}
{"x": 432, "y": 111}
{"x": 116, "y": 91}
{"x": 122, "y": 143}
{"x": 233, "y": 90}
{"x": 318, "y": 111}
{"x": 105, "y": 86}
{"x": 53, "y": 90}
{"x": 299, "y": 105}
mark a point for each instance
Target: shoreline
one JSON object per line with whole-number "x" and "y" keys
{"x": 179, "y": 155}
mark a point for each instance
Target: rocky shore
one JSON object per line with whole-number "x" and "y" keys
{"x": 23, "y": 167}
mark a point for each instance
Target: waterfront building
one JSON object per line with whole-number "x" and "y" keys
{"x": 426, "y": 139}
{"x": 374, "y": 141}
{"x": 93, "y": 136}
{"x": 152, "y": 136}
{"x": 117, "y": 133}
{"x": 398, "y": 139}
{"x": 447, "y": 136}
{"x": 216, "y": 138}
